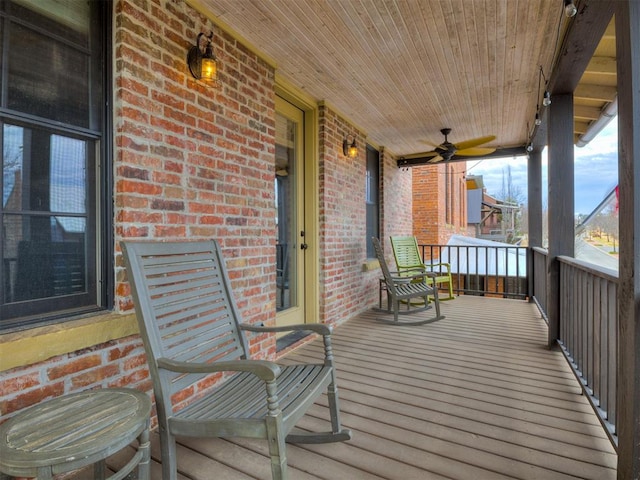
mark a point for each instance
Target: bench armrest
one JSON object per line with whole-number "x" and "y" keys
{"x": 318, "y": 328}
{"x": 267, "y": 371}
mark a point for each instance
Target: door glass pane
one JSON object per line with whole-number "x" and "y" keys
{"x": 286, "y": 223}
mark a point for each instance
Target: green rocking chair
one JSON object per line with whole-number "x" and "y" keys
{"x": 407, "y": 256}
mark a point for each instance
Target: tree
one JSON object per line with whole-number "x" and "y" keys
{"x": 513, "y": 220}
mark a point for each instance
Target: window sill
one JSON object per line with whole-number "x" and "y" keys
{"x": 370, "y": 265}
{"x": 27, "y": 347}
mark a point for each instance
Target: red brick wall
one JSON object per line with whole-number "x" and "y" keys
{"x": 113, "y": 364}
{"x": 397, "y": 218}
{"x": 192, "y": 160}
{"x": 439, "y": 202}
{"x": 189, "y": 161}
{"x": 343, "y": 252}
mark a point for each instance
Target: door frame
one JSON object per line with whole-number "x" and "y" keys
{"x": 311, "y": 205}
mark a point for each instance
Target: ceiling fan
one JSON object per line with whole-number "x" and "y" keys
{"x": 468, "y": 148}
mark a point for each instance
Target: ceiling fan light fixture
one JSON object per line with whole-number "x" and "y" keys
{"x": 570, "y": 9}
{"x": 467, "y": 148}
{"x": 546, "y": 101}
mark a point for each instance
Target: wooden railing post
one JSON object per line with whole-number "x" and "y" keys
{"x": 627, "y": 16}
{"x": 534, "y": 187}
{"x": 561, "y": 202}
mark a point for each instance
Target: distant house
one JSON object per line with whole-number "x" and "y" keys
{"x": 489, "y": 217}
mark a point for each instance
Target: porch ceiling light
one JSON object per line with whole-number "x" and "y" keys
{"x": 569, "y": 8}
{"x": 350, "y": 149}
{"x": 546, "y": 101}
{"x": 201, "y": 60}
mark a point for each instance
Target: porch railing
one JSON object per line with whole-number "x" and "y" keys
{"x": 589, "y": 333}
{"x": 538, "y": 279}
{"x": 588, "y": 307}
{"x": 483, "y": 270}
{"x": 588, "y": 327}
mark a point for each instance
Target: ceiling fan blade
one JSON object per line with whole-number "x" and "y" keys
{"x": 435, "y": 159}
{"x": 474, "y": 142}
{"x": 475, "y": 152}
{"x": 421, "y": 155}
{"x": 426, "y": 142}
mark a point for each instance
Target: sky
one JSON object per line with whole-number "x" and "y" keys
{"x": 595, "y": 171}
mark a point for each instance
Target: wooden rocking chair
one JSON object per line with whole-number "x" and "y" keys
{"x": 407, "y": 256}
{"x": 403, "y": 288}
{"x": 190, "y": 326}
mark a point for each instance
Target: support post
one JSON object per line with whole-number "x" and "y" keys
{"x": 534, "y": 199}
{"x": 628, "y": 384}
{"x": 561, "y": 202}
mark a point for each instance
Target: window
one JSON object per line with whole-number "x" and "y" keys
{"x": 52, "y": 125}
{"x": 372, "y": 198}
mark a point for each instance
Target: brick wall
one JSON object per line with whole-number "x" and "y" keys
{"x": 117, "y": 363}
{"x": 195, "y": 160}
{"x": 343, "y": 252}
{"x": 192, "y": 160}
{"x": 439, "y": 202}
{"x": 189, "y": 161}
{"x": 397, "y": 215}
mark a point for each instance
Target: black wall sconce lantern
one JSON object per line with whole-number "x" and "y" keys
{"x": 350, "y": 149}
{"x": 201, "y": 60}
{"x": 570, "y": 9}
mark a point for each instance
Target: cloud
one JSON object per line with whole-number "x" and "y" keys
{"x": 595, "y": 171}
{"x": 495, "y": 174}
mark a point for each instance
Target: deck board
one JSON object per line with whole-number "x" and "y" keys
{"x": 476, "y": 395}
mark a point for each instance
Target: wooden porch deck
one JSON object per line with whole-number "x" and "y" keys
{"x": 474, "y": 396}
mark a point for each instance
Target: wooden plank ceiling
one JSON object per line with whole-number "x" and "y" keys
{"x": 401, "y": 70}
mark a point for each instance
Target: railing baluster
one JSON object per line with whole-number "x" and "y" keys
{"x": 482, "y": 270}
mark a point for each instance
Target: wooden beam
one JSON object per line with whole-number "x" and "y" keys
{"x": 628, "y": 393}
{"x": 602, "y": 65}
{"x": 595, "y": 92}
{"x": 580, "y": 128}
{"x": 583, "y": 35}
{"x": 586, "y": 113}
{"x": 561, "y": 202}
